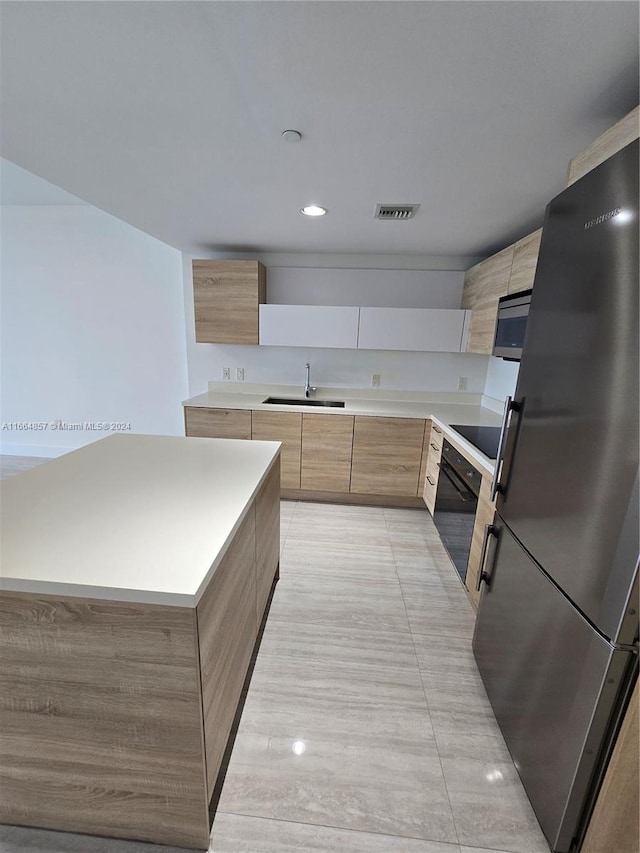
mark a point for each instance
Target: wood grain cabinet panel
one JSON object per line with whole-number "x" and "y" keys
{"x": 101, "y": 719}
{"x": 387, "y": 453}
{"x": 267, "y": 537}
{"x": 425, "y": 453}
{"x": 327, "y": 442}
{"x": 115, "y": 715}
{"x": 226, "y": 296}
{"x": 525, "y": 261}
{"x": 484, "y": 284}
{"x": 614, "y": 823}
{"x": 287, "y": 428}
{"x": 217, "y": 423}
{"x": 484, "y": 515}
{"x": 605, "y": 146}
{"x": 227, "y": 631}
{"x": 432, "y": 474}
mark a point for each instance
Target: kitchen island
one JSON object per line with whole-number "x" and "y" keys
{"x": 135, "y": 575}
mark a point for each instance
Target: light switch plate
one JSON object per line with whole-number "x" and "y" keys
{"x": 375, "y": 380}
{"x": 240, "y": 374}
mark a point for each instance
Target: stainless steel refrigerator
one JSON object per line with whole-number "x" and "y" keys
{"x": 556, "y": 638}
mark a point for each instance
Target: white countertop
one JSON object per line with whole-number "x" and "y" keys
{"x": 130, "y": 517}
{"x": 443, "y": 408}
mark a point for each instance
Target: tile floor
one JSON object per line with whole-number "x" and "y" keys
{"x": 366, "y": 726}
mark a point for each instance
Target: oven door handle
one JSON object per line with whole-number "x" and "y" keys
{"x": 464, "y": 493}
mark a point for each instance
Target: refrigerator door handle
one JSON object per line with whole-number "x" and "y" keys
{"x": 489, "y": 530}
{"x": 509, "y": 406}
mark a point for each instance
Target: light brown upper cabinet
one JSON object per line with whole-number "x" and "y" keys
{"x": 326, "y": 452}
{"x": 386, "y": 455}
{"x": 226, "y": 296}
{"x": 525, "y": 261}
{"x": 287, "y": 428}
{"x": 605, "y": 146}
{"x": 484, "y": 284}
{"x": 217, "y": 423}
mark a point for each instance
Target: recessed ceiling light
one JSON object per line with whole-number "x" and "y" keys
{"x": 291, "y": 135}
{"x": 313, "y": 210}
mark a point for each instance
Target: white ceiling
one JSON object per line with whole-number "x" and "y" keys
{"x": 169, "y": 114}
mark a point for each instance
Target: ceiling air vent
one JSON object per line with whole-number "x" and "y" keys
{"x": 396, "y": 211}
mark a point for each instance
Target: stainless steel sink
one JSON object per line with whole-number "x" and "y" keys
{"x": 304, "y": 401}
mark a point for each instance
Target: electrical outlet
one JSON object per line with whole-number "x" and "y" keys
{"x": 375, "y": 380}
{"x": 462, "y": 383}
{"x": 240, "y": 374}
{"x": 226, "y": 373}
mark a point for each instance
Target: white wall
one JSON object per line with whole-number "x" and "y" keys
{"x": 92, "y": 327}
{"x": 502, "y": 377}
{"x": 338, "y": 368}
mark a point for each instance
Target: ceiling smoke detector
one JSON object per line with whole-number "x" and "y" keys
{"x": 395, "y": 211}
{"x": 291, "y": 135}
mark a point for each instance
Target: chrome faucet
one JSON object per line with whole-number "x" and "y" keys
{"x": 308, "y": 388}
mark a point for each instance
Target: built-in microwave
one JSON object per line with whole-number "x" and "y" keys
{"x": 513, "y": 311}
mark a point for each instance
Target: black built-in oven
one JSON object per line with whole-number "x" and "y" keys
{"x": 456, "y": 504}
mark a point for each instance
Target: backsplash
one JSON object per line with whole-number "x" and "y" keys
{"x": 338, "y": 368}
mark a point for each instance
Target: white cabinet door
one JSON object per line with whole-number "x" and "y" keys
{"x": 309, "y": 326}
{"x": 415, "y": 329}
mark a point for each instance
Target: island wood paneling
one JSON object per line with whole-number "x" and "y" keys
{"x": 217, "y": 423}
{"x": 614, "y": 823}
{"x": 326, "y": 452}
{"x": 226, "y": 296}
{"x": 101, "y": 720}
{"x": 267, "y": 537}
{"x": 525, "y": 261}
{"x": 287, "y": 428}
{"x": 227, "y": 631}
{"x": 386, "y": 455}
{"x": 605, "y": 146}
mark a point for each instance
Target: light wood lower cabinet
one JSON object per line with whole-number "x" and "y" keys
{"x": 335, "y": 456}
{"x": 217, "y": 423}
{"x": 614, "y": 822}
{"x": 387, "y": 453}
{"x": 432, "y": 473}
{"x": 327, "y": 442}
{"x": 287, "y": 428}
{"x": 484, "y": 516}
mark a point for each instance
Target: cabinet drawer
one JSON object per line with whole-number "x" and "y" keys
{"x": 429, "y": 493}
{"x": 436, "y": 438}
{"x": 217, "y": 423}
{"x": 433, "y": 466}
